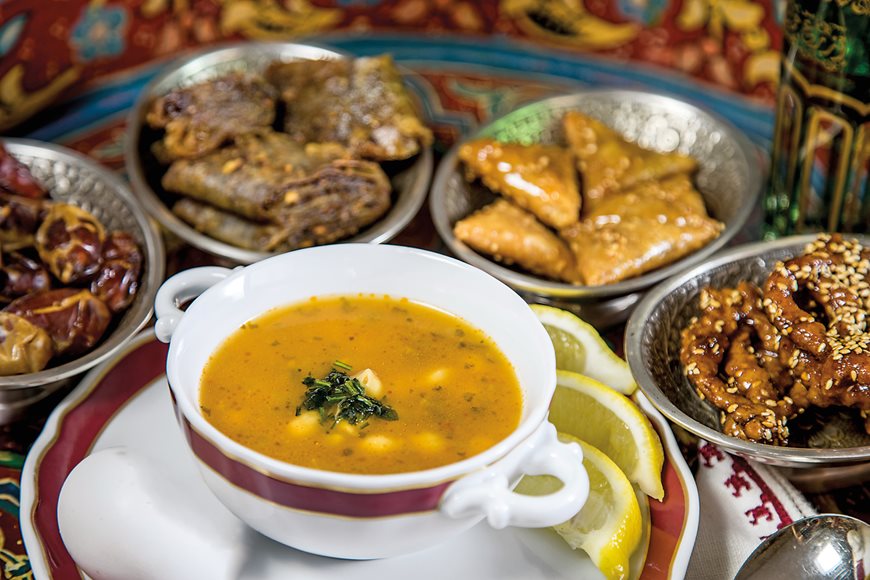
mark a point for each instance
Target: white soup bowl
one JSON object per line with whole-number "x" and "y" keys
{"x": 369, "y": 516}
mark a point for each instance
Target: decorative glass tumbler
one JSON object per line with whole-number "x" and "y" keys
{"x": 820, "y": 170}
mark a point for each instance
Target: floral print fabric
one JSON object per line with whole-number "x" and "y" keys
{"x": 51, "y": 51}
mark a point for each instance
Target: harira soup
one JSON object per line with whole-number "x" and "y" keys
{"x": 361, "y": 384}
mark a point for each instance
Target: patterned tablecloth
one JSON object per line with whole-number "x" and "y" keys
{"x": 533, "y": 49}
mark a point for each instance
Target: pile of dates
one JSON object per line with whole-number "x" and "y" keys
{"x": 63, "y": 277}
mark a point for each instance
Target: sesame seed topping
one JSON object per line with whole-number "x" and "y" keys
{"x": 738, "y": 341}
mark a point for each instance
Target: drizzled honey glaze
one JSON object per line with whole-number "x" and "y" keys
{"x": 454, "y": 392}
{"x": 764, "y": 355}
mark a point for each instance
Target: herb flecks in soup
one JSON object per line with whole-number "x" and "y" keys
{"x": 340, "y": 397}
{"x": 454, "y": 391}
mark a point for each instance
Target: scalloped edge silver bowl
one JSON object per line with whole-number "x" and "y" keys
{"x": 644, "y": 328}
{"x": 612, "y": 303}
{"x": 411, "y": 185}
{"x": 17, "y": 392}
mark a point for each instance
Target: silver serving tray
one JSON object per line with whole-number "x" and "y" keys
{"x": 730, "y": 180}
{"x": 652, "y": 346}
{"x": 410, "y": 179}
{"x": 73, "y": 178}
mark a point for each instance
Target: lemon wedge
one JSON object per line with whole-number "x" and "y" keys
{"x": 579, "y": 348}
{"x": 611, "y": 422}
{"x": 609, "y": 526}
{"x": 638, "y": 557}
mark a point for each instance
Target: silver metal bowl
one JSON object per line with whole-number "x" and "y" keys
{"x": 652, "y": 345}
{"x": 73, "y": 178}
{"x": 729, "y": 179}
{"x": 409, "y": 179}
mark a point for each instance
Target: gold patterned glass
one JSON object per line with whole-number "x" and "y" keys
{"x": 820, "y": 171}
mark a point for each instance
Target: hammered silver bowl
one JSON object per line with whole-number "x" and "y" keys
{"x": 409, "y": 179}
{"x": 71, "y": 177}
{"x": 729, "y": 179}
{"x": 836, "y": 453}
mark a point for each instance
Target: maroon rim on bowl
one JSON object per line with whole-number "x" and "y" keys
{"x": 78, "y": 422}
{"x": 182, "y": 327}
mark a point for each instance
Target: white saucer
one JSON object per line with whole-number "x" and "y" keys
{"x": 128, "y": 405}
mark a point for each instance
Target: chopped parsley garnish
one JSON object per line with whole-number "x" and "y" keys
{"x": 340, "y": 397}
{"x": 342, "y": 365}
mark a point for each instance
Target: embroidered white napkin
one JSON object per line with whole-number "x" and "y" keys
{"x": 742, "y": 503}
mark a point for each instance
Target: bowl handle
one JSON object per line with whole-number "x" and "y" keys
{"x": 179, "y": 289}
{"x": 489, "y": 492}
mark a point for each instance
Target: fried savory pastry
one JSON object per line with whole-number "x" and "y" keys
{"x": 228, "y": 227}
{"x": 359, "y": 103}
{"x": 609, "y": 163}
{"x": 264, "y": 173}
{"x": 513, "y": 236}
{"x": 641, "y": 233}
{"x": 538, "y": 178}
{"x": 335, "y": 202}
{"x": 202, "y": 117}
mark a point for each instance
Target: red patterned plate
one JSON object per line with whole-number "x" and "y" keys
{"x": 126, "y": 402}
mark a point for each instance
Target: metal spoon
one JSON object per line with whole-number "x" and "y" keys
{"x": 824, "y": 546}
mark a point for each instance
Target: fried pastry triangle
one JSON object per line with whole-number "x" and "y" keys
{"x": 513, "y": 236}
{"x": 538, "y": 178}
{"x": 609, "y": 163}
{"x": 677, "y": 192}
{"x": 640, "y": 230}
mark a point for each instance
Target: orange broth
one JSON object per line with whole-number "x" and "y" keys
{"x": 454, "y": 391}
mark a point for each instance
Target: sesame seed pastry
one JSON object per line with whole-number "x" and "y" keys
{"x": 765, "y": 355}
{"x": 729, "y": 354}
{"x": 830, "y": 335}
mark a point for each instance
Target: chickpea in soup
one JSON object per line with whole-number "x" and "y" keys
{"x": 361, "y": 384}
